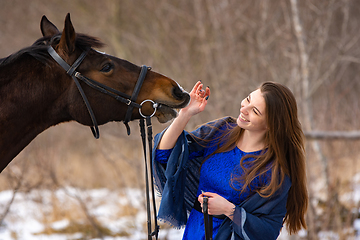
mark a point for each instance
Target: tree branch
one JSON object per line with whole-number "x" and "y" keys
{"x": 333, "y": 135}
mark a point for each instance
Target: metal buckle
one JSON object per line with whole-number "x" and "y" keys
{"x": 154, "y": 105}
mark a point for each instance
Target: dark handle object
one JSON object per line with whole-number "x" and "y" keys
{"x": 208, "y": 220}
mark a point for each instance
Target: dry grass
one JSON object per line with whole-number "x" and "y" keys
{"x": 68, "y": 155}
{"x": 87, "y": 230}
{"x": 77, "y": 209}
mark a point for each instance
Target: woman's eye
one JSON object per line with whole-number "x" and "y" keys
{"x": 247, "y": 99}
{"x": 107, "y": 67}
{"x": 255, "y": 112}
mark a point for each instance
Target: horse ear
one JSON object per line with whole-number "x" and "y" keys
{"x": 48, "y": 29}
{"x": 67, "y": 41}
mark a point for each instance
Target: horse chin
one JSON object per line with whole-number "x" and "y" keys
{"x": 165, "y": 113}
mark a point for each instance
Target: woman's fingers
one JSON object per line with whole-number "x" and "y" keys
{"x": 196, "y": 87}
{"x": 198, "y": 99}
{"x": 202, "y": 93}
{"x": 207, "y": 93}
{"x": 198, "y": 90}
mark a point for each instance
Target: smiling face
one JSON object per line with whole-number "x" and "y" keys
{"x": 253, "y": 113}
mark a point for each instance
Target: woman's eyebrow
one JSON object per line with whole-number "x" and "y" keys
{"x": 254, "y": 106}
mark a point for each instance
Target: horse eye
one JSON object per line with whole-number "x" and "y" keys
{"x": 107, "y": 67}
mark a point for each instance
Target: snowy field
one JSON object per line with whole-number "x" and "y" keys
{"x": 33, "y": 214}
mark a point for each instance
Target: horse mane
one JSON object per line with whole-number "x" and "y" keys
{"x": 38, "y": 50}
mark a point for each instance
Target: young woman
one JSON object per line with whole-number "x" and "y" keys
{"x": 252, "y": 169}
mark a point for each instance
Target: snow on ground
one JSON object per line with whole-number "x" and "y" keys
{"x": 119, "y": 211}
{"x": 355, "y": 194}
{"x": 25, "y": 219}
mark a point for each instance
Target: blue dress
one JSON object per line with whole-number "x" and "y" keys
{"x": 215, "y": 177}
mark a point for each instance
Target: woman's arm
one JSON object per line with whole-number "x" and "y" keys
{"x": 259, "y": 225}
{"x": 197, "y": 104}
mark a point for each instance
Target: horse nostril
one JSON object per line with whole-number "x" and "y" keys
{"x": 178, "y": 93}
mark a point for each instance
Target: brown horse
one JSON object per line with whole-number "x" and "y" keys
{"x": 37, "y": 93}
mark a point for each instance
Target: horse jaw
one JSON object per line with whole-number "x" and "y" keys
{"x": 165, "y": 113}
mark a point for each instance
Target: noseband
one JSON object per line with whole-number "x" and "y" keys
{"x": 122, "y": 97}
{"x": 130, "y": 101}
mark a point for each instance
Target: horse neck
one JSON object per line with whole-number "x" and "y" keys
{"x": 28, "y": 93}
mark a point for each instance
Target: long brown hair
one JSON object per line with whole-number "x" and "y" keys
{"x": 285, "y": 153}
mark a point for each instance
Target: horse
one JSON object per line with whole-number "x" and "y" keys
{"x": 36, "y": 92}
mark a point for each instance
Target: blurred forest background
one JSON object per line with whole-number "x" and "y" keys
{"x": 233, "y": 46}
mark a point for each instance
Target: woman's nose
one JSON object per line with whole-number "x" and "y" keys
{"x": 244, "y": 110}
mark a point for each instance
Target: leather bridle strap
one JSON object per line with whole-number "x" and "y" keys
{"x": 134, "y": 96}
{"x": 71, "y": 70}
{"x": 149, "y": 131}
{"x": 119, "y": 96}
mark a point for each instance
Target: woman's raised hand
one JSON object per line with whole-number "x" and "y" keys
{"x": 198, "y": 101}
{"x": 197, "y": 104}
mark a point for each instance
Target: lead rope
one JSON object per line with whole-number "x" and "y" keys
{"x": 156, "y": 227}
{"x": 208, "y": 220}
{"x": 143, "y": 137}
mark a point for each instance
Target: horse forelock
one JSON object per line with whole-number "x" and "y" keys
{"x": 82, "y": 41}
{"x": 86, "y": 41}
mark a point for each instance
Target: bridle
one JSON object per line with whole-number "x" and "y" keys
{"x": 122, "y": 97}
{"x": 130, "y": 102}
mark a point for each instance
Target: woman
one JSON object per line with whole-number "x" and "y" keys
{"x": 252, "y": 169}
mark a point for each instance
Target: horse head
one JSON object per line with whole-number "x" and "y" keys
{"x": 114, "y": 72}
